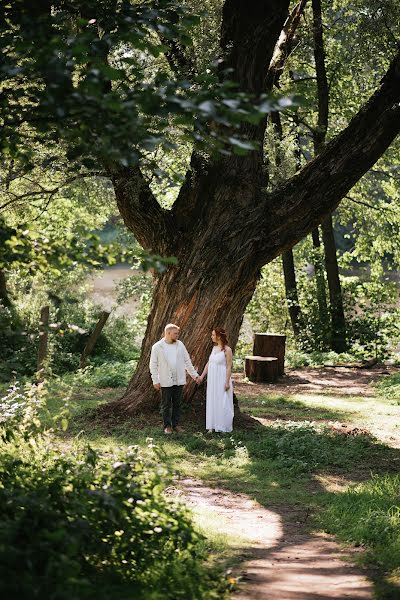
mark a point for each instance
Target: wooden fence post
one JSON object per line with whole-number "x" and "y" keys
{"x": 43, "y": 340}
{"x": 90, "y": 344}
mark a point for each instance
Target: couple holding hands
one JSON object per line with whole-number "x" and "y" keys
{"x": 169, "y": 362}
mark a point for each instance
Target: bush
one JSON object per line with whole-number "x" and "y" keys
{"x": 112, "y": 374}
{"x": 18, "y": 345}
{"x": 72, "y": 521}
{"x": 298, "y": 358}
{"x": 85, "y": 525}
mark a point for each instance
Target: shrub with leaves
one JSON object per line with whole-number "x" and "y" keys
{"x": 82, "y": 525}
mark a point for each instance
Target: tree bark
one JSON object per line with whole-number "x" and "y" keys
{"x": 261, "y": 369}
{"x": 43, "y": 341}
{"x": 94, "y": 336}
{"x": 270, "y": 344}
{"x": 224, "y": 226}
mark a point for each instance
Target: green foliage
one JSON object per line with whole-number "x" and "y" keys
{"x": 300, "y": 358}
{"x": 108, "y": 374}
{"x": 18, "y": 345}
{"x": 82, "y": 524}
{"x": 368, "y": 514}
{"x": 72, "y": 318}
{"x": 389, "y": 387}
{"x": 99, "y": 82}
{"x": 373, "y": 323}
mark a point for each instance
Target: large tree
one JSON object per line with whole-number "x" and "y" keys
{"x": 223, "y": 226}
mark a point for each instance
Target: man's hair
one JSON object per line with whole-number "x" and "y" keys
{"x": 170, "y": 326}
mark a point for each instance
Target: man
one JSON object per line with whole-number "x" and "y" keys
{"x": 169, "y": 362}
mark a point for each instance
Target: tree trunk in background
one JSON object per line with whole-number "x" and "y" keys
{"x": 292, "y": 297}
{"x": 338, "y": 323}
{"x": 4, "y": 297}
{"x": 289, "y": 272}
{"x": 320, "y": 281}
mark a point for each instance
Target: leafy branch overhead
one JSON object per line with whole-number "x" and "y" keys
{"x": 100, "y": 83}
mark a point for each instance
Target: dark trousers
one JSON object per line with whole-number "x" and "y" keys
{"x": 171, "y": 398}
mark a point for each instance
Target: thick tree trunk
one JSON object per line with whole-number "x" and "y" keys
{"x": 198, "y": 296}
{"x": 338, "y": 321}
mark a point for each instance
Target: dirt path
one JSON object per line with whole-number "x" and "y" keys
{"x": 285, "y": 561}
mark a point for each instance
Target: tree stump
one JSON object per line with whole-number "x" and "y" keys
{"x": 261, "y": 369}
{"x": 271, "y": 344}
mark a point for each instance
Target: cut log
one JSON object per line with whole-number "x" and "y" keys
{"x": 261, "y": 369}
{"x": 271, "y": 344}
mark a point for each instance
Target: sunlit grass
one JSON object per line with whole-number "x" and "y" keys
{"x": 368, "y": 515}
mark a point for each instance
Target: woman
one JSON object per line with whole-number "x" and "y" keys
{"x": 219, "y": 399}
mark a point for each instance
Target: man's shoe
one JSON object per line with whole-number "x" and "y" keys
{"x": 168, "y": 430}
{"x": 179, "y": 429}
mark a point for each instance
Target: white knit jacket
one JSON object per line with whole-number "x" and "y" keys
{"x": 160, "y": 369}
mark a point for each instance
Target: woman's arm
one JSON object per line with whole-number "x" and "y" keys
{"x": 204, "y": 373}
{"x": 228, "y": 356}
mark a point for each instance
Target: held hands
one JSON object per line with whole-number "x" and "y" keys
{"x": 199, "y": 380}
{"x": 227, "y": 386}
{"x": 157, "y": 386}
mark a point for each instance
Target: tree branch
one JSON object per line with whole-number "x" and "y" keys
{"x": 317, "y": 189}
{"x": 378, "y": 208}
{"x": 43, "y": 191}
{"x": 284, "y": 46}
{"x": 178, "y": 61}
{"x": 152, "y": 225}
{"x": 322, "y": 80}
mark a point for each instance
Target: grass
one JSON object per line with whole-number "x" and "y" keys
{"x": 368, "y": 515}
{"x": 287, "y": 461}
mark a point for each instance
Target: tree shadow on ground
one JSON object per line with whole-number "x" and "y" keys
{"x": 278, "y": 466}
{"x": 284, "y": 407}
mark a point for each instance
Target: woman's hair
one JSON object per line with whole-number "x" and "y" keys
{"x": 221, "y": 334}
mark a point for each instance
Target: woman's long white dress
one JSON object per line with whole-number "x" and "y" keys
{"x": 219, "y": 402}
